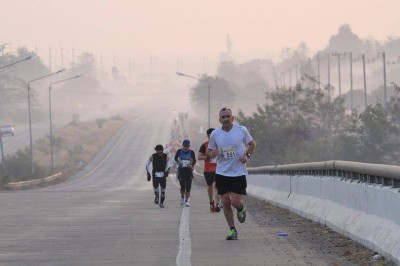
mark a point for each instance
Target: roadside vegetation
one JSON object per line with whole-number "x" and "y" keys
{"x": 75, "y": 143}
{"x": 295, "y": 112}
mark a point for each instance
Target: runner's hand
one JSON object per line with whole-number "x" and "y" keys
{"x": 148, "y": 177}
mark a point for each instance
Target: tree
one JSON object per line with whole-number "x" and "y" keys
{"x": 86, "y": 65}
{"x": 295, "y": 125}
{"x": 345, "y": 41}
{"x": 220, "y": 91}
{"x": 378, "y": 136}
{"x": 13, "y": 84}
{"x": 248, "y": 81}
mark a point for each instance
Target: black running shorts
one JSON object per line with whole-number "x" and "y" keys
{"x": 210, "y": 178}
{"x": 235, "y": 184}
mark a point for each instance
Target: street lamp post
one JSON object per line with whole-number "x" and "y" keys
{"x": 3, "y": 160}
{"x": 209, "y": 94}
{"x": 16, "y": 62}
{"x": 30, "y": 116}
{"x": 51, "y": 123}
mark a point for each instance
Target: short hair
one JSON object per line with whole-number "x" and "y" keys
{"x": 225, "y": 109}
{"x": 159, "y": 147}
{"x": 209, "y": 131}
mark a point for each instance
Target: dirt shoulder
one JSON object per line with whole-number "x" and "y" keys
{"x": 73, "y": 146}
{"x": 326, "y": 243}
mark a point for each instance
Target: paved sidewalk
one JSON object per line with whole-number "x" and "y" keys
{"x": 256, "y": 245}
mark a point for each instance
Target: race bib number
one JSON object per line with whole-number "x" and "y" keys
{"x": 228, "y": 152}
{"x": 159, "y": 174}
{"x": 185, "y": 163}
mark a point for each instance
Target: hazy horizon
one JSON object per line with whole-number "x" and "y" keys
{"x": 192, "y": 35}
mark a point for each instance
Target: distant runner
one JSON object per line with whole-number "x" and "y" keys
{"x": 186, "y": 159}
{"x": 160, "y": 173}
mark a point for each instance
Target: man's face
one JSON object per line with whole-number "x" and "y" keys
{"x": 159, "y": 152}
{"x": 185, "y": 147}
{"x": 226, "y": 118}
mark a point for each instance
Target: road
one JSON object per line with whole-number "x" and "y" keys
{"x": 105, "y": 215}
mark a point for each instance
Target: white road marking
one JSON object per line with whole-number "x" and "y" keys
{"x": 185, "y": 245}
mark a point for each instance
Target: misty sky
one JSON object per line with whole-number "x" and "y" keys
{"x": 140, "y": 28}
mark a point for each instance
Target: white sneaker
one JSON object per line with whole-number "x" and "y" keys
{"x": 187, "y": 204}
{"x": 181, "y": 201}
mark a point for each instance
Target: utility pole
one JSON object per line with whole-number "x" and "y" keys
{"x": 62, "y": 58}
{"x": 101, "y": 66}
{"x": 329, "y": 76}
{"x": 73, "y": 56}
{"x": 50, "y": 58}
{"x": 384, "y": 79}
{"x": 275, "y": 77}
{"x": 319, "y": 77}
{"x": 204, "y": 64}
{"x": 130, "y": 69}
{"x": 365, "y": 82}
{"x": 351, "y": 82}
{"x": 340, "y": 85}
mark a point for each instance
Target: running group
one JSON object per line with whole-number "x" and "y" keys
{"x": 225, "y": 154}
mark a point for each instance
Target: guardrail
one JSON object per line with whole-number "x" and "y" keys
{"x": 357, "y": 200}
{"x": 387, "y": 175}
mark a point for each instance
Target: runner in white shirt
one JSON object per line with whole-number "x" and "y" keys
{"x": 232, "y": 145}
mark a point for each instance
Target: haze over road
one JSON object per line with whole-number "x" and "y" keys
{"x": 105, "y": 215}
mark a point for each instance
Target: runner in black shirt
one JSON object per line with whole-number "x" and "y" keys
{"x": 160, "y": 173}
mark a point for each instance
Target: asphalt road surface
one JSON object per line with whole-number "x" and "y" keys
{"x": 105, "y": 215}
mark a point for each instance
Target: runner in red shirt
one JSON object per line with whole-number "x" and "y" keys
{"x": 209, "y": 174}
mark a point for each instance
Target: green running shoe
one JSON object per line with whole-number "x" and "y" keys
{"x": 232, "y": 235}
{"x": 241, "y": 215}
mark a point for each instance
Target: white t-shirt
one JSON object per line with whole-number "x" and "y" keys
{"x": 231, "y": 146}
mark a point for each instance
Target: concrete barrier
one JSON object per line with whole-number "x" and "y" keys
{"x": 367, "y": 213}
{"x": 35, "y": 182}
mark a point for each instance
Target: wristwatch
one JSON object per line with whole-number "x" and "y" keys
{"x": 248, "y": 155}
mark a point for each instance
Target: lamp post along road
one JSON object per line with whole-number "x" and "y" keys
{"x": 16, "y": 62}
{"x": 51, "y": 123}
{"x": 3, "y": 160}
{"x": 30, "y": 116}
{"x": 209, "y": 94}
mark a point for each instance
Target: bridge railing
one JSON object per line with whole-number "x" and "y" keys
{"x": 387, "y": 175}
{"x": 358, "y": 200}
